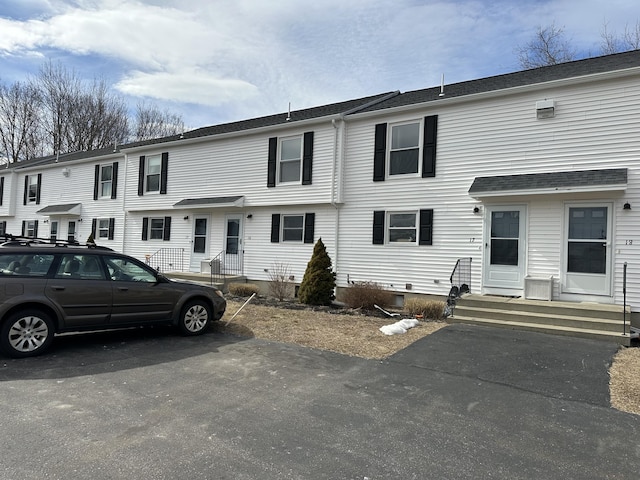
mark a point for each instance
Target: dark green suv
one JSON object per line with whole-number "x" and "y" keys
{"x": 53, "y": 287}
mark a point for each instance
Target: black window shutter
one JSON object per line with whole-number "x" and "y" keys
{"x": 1, "y": 189}
{"x": 114, "y": 180}
{"x": 275, "y": 228}
{"x": 96, "y": 182}
{"x": 112, "y": 224}
{"x": 378, "y": 227}
{"x": 309, "y": 227}
{"x": 164, "y": 172}
{"x": 145, "y": 228}
{"x": 271, "y": 162}
{"x": 24, "y": 228}
{"x": 38, "y": 189}
{"x": 429, "y": 148}
{"x": 307, "y": 158}
{"x": 141, "y": 176}
{"x": 94, "y": 223}
{"x": 26, "y": 191}
{"x": 426, "y": 227}
{"x": 380, "y": 152}
{"x": 166, "y": 236}
{"x": 35, "y": 229}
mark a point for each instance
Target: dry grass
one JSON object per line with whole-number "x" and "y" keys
{"x": 624, "y": 384}
{"x": 358, "y": 336}
{"x": 350, "y": 334}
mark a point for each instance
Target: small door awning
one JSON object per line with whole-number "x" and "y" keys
{"x": 210, "y": 202}
{"x": 68, "y": 209}
{"x": 614, "y": 179}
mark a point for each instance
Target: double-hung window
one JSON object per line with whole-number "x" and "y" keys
{"x": 152, "y": 177}
{"x": 156, "y": 228}
{"x": 290, "y": 159}
{"x": 292, "y": 228}
{"x": 32, "y": 189}
{"x": 405, "y": 227}
{"x": 405, "y": 149}
{"x": 106, "y": 180}
{"x": 402, "y": 227}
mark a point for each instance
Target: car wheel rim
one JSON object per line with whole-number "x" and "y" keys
{"x": 28, "y": 334}
{"x": 196, "y": 318}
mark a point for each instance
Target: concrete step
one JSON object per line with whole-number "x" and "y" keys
{"x": 618, "y": 338}
{"x": 587, "y": 320}
{"x": 542, "y": 318}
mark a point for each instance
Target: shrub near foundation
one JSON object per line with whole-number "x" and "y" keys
{"x": 365, "y": 295}
{"x": 429, "y": 309}
{"x": 243, "y": 289}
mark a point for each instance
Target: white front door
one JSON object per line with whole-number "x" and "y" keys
{"x": 587, "y": 257}
{"x": 199, "y": 242}
{"x": 233, "y": 244}
{"x": 504, "y": 249}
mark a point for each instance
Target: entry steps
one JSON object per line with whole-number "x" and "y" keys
{"x": 586, "y": 320}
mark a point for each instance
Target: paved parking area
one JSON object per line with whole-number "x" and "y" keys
{"x": 466, "y": 402}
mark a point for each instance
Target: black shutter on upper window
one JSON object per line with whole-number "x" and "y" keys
{"x": 426, "y": 227}
{"x": 1, "y": 189}
{"x": 379, "y": 152}
{"x": 429, "y": 147}
{"x": 141, "y": 176}
{"x": 378, "y": 227}
{"x": 114, "y": 180}
{"x": 145, "y": 228}
{"x": 275, "y": 228}
{"x": 309, "y": 227}
{"x": 94, "y": 223}
{"x": 271, "y": 162}
{"x": 112, "y": 225}
{"x": 164, "y": 172}
{"x": 38, "y": 189}
{"x": 166, "y": 235}
{"x": 26, "y": 191}
{"x": 307, "y": 158}
{"x": 96, "y": 182}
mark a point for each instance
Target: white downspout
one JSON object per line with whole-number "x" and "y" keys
{"x": 336, "y": 175}
{"x": 124, "y": 202}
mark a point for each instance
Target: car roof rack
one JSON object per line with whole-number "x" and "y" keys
{"x": 9, "y": 240}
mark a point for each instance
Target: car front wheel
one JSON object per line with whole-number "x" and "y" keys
{"x": 26, "y": 333}
{"x": 195, "y": 317}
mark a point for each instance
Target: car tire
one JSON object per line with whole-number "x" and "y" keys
{"x": 26, "y": 333}
{"x": 195, "y": 317}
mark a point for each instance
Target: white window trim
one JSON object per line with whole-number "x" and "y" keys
{"x": 290, "y": 160}
{"x": 100, "y": 229}
{"x": 420, "y": 123}
{"x": 151, "y": 229}
{"x": 282, "y": 229}
{"x": 103, "y": 182}
{"x": 388, "y": 228}
{"x": 33, "y": 182}
{"x": 147, "y": 174}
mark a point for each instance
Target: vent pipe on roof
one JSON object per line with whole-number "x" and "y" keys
{"x": 442, "y": 87}
{"x": 289, "y": 112}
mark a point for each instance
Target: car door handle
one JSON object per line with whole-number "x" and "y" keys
{"x": 57, "y": 288}
{"x": 123, "y": 289}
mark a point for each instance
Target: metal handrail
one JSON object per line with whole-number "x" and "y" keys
{"x": 225, "y": 264}
{"x": 167, "y": 259}
{"x": 624, "y": 298}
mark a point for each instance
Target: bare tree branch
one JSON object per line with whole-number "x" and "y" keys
{"x": 548, "y": 47}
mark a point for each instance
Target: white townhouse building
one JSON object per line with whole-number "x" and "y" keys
{"x": 529, "y": 181}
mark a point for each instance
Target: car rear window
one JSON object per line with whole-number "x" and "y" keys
{"x": 25, "y": 265}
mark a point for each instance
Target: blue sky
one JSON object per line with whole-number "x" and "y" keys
{"x": 214, "y": 61}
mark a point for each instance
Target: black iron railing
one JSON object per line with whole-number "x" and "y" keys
{"x": 167, "y": 260}
{"x": 225, "y": 264}
{"x": 460, "y": 282}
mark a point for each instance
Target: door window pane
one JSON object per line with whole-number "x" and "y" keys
{"x": 504, "y": 252}
{"x": 587, "y": 257}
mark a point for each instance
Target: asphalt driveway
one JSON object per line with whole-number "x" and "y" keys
{"x": 465, "y": 402}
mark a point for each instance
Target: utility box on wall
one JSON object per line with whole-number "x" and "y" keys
{"x": 538, "y": 288}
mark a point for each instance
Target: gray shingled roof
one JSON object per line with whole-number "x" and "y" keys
{"x": 577, "y": 68}
{"x": 546, "y": 181}
{"x": 67, "y": 208}
{"x": 189, "y": 202}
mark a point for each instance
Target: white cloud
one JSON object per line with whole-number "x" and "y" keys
{"x": 252, "y": 57}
